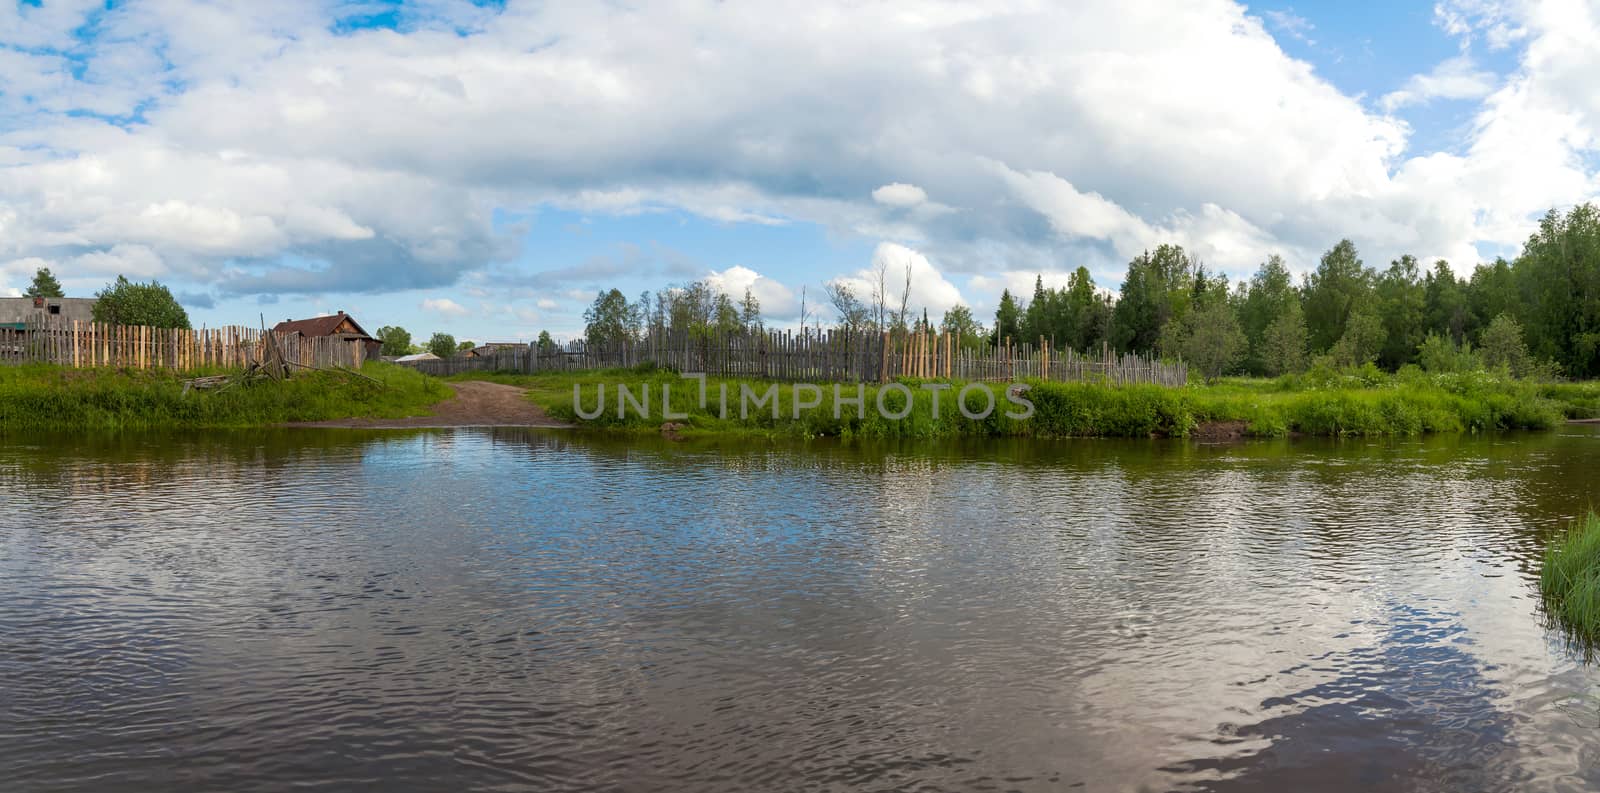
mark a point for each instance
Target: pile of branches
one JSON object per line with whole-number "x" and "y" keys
{"x": 273, "y": 365}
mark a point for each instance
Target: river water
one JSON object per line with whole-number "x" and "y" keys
{"x": 532, "y": 610}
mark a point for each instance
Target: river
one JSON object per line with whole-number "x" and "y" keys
{"x": 537, "y": 610}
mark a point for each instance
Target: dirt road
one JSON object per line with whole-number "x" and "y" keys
{"x": 476, "y": 404}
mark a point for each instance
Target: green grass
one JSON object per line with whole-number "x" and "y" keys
{"x": 1578, "y": 400}
{"x": 1569, "y": 580}
{"x": 1374, "y": 403}
{"x": 42, "y": 397}
{"x": 1359, "y": 405}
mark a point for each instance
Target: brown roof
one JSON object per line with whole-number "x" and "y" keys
{"x": 321, "y": 326}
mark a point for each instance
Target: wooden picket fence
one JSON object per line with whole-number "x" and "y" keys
{"x": 97, "y": 344}
{"x": 826, "y": 356}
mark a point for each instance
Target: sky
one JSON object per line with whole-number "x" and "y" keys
{"x": 482, "y": 169}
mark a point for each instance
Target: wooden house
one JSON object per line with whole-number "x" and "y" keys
{"x": 340, "y": 325}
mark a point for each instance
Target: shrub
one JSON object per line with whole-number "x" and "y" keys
{"x": 1438, "y": 354}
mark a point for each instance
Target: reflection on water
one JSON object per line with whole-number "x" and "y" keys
{"x": 1414, "y": 711}
{"x": 508, "y": 609}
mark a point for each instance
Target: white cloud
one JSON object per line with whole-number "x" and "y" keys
{"x": 134, "y": 261}
{"x": 929, "y": 288}
{"x": 1492, "y": 19}
{"x": 547, "y": 304}
{"x": 1291, "y": 24}
{"x": 273, "y": 155}
{"x": 444, "y": 306}
{"x": 898, "y": 194}
{"x": 1456, "y": 78}
{"x": 22, "y": 270}
{"x": 1216, "y": 235}
{"x": 985, "y": 290}
{"x": 777, "y": 301}
{"x": 1077, "y": 214}
{"x": 315, "y": 223}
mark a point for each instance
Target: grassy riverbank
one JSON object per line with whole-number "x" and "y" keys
{"x": 1577, "y": 400}
{"x": 1569, "y": 579}
{"x": 42, "y": 397}
{"x": 1364, "y": 404}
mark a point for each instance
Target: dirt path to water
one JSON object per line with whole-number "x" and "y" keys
{"x": 476, "y": 404}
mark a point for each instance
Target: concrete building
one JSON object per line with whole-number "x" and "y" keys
{"x": 17, "y": 312}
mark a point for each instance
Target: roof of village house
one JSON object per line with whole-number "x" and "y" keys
{"x": 421, "y": 356}
{"x": 321, "y": 326}
{"x": 484, "y": 349}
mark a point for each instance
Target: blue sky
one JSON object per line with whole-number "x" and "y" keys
{"x": 483, "y": 168}
{"x": 1372, "y": 49}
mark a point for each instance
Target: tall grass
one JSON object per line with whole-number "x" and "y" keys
{"x": 1577, "y": 400}
{"x": 1374, "y": 403}
{"x": 1569, "y": 580}
{"x": 1388, "y": 405}
{"x": 44, "y": 397}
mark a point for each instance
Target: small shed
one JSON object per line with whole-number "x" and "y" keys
{"x": 340, "y": 325}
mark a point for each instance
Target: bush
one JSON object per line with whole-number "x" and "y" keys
{"x": 1438, "y": 354}
{"x": 1503, "y": 347}
{"x": 125, "y": 302}
{"x": 442, "y": 345}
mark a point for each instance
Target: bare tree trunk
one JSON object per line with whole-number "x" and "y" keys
{"x": 905, "y": 300}
{"x": 880, "y": 293}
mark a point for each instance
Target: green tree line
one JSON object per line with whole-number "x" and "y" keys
{"x": 697, "y": 307}
{"x": 1536, "y": 314}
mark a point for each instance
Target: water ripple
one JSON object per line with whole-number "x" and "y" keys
{"x": 516, "y": 610}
